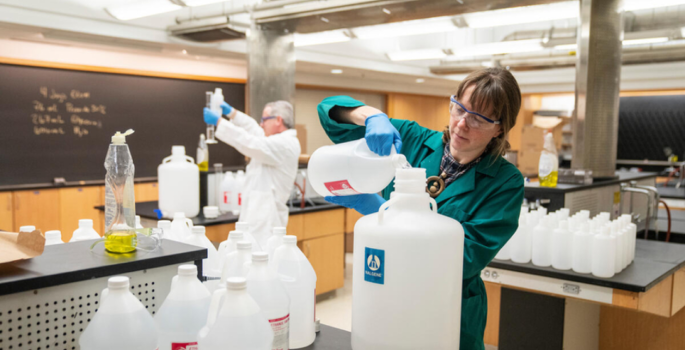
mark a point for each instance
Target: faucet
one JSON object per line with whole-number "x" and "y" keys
{"x": 650, "y": 207}
{"x": 655, "y": 208}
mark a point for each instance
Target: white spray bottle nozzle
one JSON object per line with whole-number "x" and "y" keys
{"x": 119, "y": 138}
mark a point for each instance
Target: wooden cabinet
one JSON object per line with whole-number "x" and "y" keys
{"x": 296, "y": 226}
{"x": 324, "y": 223}
{"x": 146, "y": 192}
{"x": 6, "y": 211}
{"x": 327, "y": 256}
{"x": 40, "y": 208}
{"x": 218, "y": 233}
{"x": 351, "y": 217}
{"x": 77, "y": 203}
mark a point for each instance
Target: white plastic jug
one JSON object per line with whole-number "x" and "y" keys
{"x": 165, "y": 225}
{"x": 267, "y": 290}
{"x": 505, "y": 252}
{"x": 121, "y": 322}
{"x": 84, "y": 231}
{"x": 407, "y": 252}
{"x": 229, "y": 245}
{"x": 275, "y": 241}
{"x": 181, "y": 227}
{"x": 235, "y": 321}
{"x": 238, "y": 195}
{"x": 53, "y": 237}
{"x": 562, "y": 247}
{"x": 138, "y": 224}
{"x": 227, "y": 190}
{"x": 245, "y": 228}
{"x": 179, "y": 184}
{"x": 603, "y": 253}
{"x": 299, "y": 279}
{"x": 351, "y": 168}
{"x": 237, "y": 262}
{"x": 210, "y": 265}
{"x": 542, "y": 243}
{"x": 184, "y": 311}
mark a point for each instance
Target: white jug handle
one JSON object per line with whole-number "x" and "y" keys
{"x": 214, "y": 306}
{"x": 384, "y": 206}
{"x": 190, "y": 159}
{"x": 393, "y": 151}
{"x": 188, "y": 223}
{"x": 166, "y": 160}
{"x": 434, "y": 205}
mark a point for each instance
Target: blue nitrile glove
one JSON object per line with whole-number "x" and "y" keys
{"x": 226, "y": 109}
{"x": 365, "y": 204}
{"x": 381, "y": 135}
{"x": 211, "y": 117}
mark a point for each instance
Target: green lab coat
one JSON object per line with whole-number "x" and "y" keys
{"x": 486, "y": 200}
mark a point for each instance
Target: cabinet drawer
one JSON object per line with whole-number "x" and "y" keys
{"x": 327, "y": 256}
{"x": 324, "y": 223}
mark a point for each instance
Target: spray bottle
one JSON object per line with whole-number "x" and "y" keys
{"x": 120, "y": 209}
{"x": 548, "y": 169}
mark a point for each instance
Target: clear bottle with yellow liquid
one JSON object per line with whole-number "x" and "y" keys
{"x": 203, "y": 154}
{"x": 120, "y": 210}
{"x": 548, "y": 169}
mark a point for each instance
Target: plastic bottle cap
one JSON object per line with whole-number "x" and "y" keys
{"x": 410, "y": 174}
{"x": 187, "y": 270}
{"x": 178, "y": 150}
{"x": 242, "y": 226}
{"x": 164, "y": 224}
{"x": 236, "y": 235}
{"x": 138, "y": 219}
{"x": 218, "y": 91}
{"x": 279, "y": 231}
{"x": 244, "y": 245}
{"x": 179, "y": 215}
{"x": 198, "y": 230}
{"x": 210, "y": 212}
{"x": 27, "y": 228}
{"x": 54, "y": 234}
{"x": 118, "y": 282}
{"x": 119, "y": 138}
{"x": 85, "y": 223}
{"x": 260, "y": 256}
{"x": 236, "y": 283}
{"x": 290, "y": 239}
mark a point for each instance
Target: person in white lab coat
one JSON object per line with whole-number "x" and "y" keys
{"x": 273, "y": 149}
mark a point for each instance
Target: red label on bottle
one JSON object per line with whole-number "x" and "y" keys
{"x": 240, "y": 199}
{"x": 184, "y": 346}
{"x": 227, "y": 197}
{"x": 340, "y": 188}
{"x": 280, "y": 327}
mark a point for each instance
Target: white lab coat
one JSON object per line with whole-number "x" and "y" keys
{"x": 270, "y": 175}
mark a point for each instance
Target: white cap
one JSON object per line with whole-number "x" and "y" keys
{"x": 137, "y": 219}
{"x": 27, "y": 228}
{"x": 164, "y": 224}
{"x": 198, "y": 230}
{"x": 290, "y": 239}
{"x": 118, "y": 282}
{"x": 236, "y": 235}
{"x": 86, "y": 223}
{"x": 53, "y": 235}
{"x": 260, "y": 256}
{"x": 178, "y": 150}
{"x": 179, "y": 215}
{"x": 211, "y": 211}
{"x": 218, "y": 91}
{"x": 187, "y": 270}
{"x": 410, "y": 174}
{"x": 119, "y": 138}
{"x": 242, "y": 226}
{"x": 236, "y": 283}
{"x": 244, "y": 245}
{"x": 279, "y": 231}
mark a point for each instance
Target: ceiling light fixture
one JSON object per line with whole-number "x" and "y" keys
{"x": 336, "y": 71}
{"x": 566, "y": 47}
{"x": 184, "y": 52}
{"x": 416, "y": 27}
{"x": 140, "y": 9}
{"x": 328, "y": 37}
{"x": 499, "y": 48}
{"x": 194, "y": 3}
{"x": 633, "y": 5}
{"x": 420, "y": 80}
{"x": 523, "y": 14}
{"x": 634, "y": 42}
{"x": 416, "y": 55}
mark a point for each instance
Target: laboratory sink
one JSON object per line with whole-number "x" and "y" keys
{"x": 310, "y": 203}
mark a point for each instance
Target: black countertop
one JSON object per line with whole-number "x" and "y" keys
{"x": 532, "y": 187}
{"x": 147, "y": 210}
{"x": 671, "y": 192}
{"x": 330, "y": 338}
{"x": 73, "y": 262}
{"x": 654, "y": 261}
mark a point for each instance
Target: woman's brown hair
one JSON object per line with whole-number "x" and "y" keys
{"x": 495, "y": 90}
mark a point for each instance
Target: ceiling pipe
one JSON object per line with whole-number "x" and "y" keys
{"x": 246, "y": 9}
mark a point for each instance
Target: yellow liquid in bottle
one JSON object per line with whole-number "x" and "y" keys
{"x": 121, "y": 241}
{"x": 550, "y": 180}
{"x": 204, "y": 166}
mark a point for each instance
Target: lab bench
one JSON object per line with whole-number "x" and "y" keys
{"x": 532, "y": 307}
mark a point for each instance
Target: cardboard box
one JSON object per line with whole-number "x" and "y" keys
{"x": 532, "y": 141}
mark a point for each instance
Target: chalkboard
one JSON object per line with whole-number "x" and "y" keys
{"x": 59, "y": 123}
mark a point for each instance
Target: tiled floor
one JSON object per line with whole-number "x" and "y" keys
{"x": 335, "y": 308}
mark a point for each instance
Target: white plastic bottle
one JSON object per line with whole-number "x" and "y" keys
{"x": 122, "y": 322}
{"x": 275, "y": 241}
{"x": 236, "y": 264}
{"x": 245, "y": 228}
{"x": 181, "y": 227}
{"x": 542, "y": 243}
{"x": 616, "y": 233}
{"x": 548, "y": 168}
{"x": 227, "y": 189}
{"x": 631, "y": 232}
{"x": 210, "y": 265}
{"x": 179, "y": 184}
{"x": 138, "y": 224}
{"x": 351, "y": 168}
{"x": 229, "y": 245}
{"x": 603, "y": 253}
{"x": 184, "y": 311}
{"x": 238, "y": 195}
{"x": 120, "y": 203}
{"x": 582, "y": 249}
{"x": 390, "y": 272}
{"x": 299, "y": 279}
{"x": 84, "y": 231}
{"x": 562, "y": 247}
{"x": 522, "y": 241}
{"x": 53, "y": 237}
{"x": 235, "y": 323}
{"x": 267, "y": 290}
{"x": 165, "y": 225}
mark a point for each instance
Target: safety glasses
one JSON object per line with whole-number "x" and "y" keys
{"x": 264, "y": 119}
{"x": 473, "y": 120}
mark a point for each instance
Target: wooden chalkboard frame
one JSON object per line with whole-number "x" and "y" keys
{"x": 118, "y": 71}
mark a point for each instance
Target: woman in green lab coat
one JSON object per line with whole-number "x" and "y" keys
{"x": 468, "y": 177}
